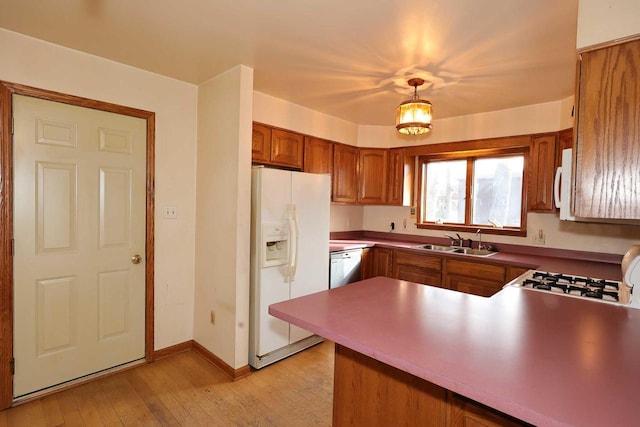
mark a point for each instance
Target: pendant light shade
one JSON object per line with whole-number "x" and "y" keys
{"x": 413, "y": 117}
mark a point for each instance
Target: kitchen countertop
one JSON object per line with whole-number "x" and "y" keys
{"x": 588, "y": 268}
{"x": 542, "y": 358}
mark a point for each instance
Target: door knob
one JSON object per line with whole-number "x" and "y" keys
{"x": 136, "y": 259}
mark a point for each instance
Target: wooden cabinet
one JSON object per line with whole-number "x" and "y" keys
{"x": 474, "y": 277}
{"x": 542, "y": 171}
{"x": 471, "y": 276}
{"x": 368, "y": 392}
{"x": 345, "y": 173}
{"x": 513, "y": 272}
{"x": 464, "y": 412}
{"x": 372, "y": 175}
{"x": 565, "y": 140}
{"x": 395, "y": 188}
{"x": 418, "y": 268}
{"x": 318, "y": 155}
{"x": 286, "y": 148}
{"x": 277, "y": 147}
{"x": 472, "y": 285}
{"x": 366, "y": 264}
{"x": 261, "y": 143}
{"x": 381, "y": 262}
{"x": 607, "y": 143}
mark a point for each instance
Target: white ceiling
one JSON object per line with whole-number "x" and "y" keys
{"x": 346, "y": 58}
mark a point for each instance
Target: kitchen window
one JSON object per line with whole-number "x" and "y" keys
{"x": 479, "y": 191}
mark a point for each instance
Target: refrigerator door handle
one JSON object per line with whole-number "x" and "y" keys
{"x": 294, "y": 267}
{"x": 289, "y": 268}
{"x": 556, "y": 186}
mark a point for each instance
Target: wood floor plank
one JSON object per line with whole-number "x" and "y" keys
{"x": 187, "y": 390}
{"x": 69, "y": 409}
{"x": 86, "y": 406}
{"x": 51, "y": 410}
{"x": 92, "y": 396}
{"x": 149, "y": 396}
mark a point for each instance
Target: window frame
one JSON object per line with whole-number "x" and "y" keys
{"x": 470, "y": 157}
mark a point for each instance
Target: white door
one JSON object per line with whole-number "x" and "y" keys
{"x": 311, "y": 195}
{"x": 79, "y": 218}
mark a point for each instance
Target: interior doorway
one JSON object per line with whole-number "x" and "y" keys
{"x": 77, "y": 238}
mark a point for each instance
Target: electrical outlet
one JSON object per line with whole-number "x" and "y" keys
{"x": 169, "y": 212}
{"x": 538, "y": 237}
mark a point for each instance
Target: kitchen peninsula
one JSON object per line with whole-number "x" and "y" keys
{"x": 410, "y": 353}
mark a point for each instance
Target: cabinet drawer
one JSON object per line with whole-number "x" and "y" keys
{"x": 418, "y": 260}
{"x": 475, "y": 269}
{"x": 418, "y": 275}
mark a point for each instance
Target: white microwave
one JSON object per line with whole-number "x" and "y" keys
{"x": 563, "y": 191}
{"x": 562, "y": 186}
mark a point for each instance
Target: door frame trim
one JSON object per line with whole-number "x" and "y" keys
{"x": 7, "y": 90}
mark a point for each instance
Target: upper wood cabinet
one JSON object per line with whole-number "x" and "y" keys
{"x": 395, "y": 190}
{"x": 276, "y": 146}
{"x": 318, "y": 155}
{"x": 261, "y": 143}
{"x": 542, "y": 172}
{"x": 607, "y": 143}
{"x": 345, "y": 173}
{"x": 286, "y": 148}
{"x": 373, "y": 165}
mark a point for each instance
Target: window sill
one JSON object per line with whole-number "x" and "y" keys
{"x": 473, "y": 228}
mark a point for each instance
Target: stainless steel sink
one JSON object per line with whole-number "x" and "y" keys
{"x": 436, "y": 248}
{"x": 457, "y": 250}
{"x": 474, "y": 252}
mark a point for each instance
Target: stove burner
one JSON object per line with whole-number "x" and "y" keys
{"x": 573, "y": 285}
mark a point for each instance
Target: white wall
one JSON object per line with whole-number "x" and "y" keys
{"x": 223, "y": 215}
{"x": 44, "y": 65}
{"x": 286, "y": 115}
{"x": 538, "y": 118}
{"x": 601, "y": 21}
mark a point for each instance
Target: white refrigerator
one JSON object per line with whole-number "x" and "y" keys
{"x": 289, "y": 255}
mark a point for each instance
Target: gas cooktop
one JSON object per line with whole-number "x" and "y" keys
{"x": 601, "y": 290}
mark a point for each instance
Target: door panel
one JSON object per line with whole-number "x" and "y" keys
{"x": 79, "y": 217}
{"x": 311, "y": 196}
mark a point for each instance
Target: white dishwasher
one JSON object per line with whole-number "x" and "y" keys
{"x": 345, "y": 267}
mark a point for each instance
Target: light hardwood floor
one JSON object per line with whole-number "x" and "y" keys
{"x": 186, "y": 390}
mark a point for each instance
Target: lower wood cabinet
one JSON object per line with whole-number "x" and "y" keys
{"x": 418, "y": 268}
{"x": 368, "y": 392}
{"x": 382, "y": 262}
{"x": 464, "y": 412}
{"x": 474, "y": 277}
{"x": 469, "y": 276}
{"x": 472, "y": 285}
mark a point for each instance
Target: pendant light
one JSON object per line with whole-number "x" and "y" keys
{"x": 413, "y": 117}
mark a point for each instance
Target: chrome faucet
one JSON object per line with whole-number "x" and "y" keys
{"x": 479, "y": 233}
{"x": 458, "y": 239}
